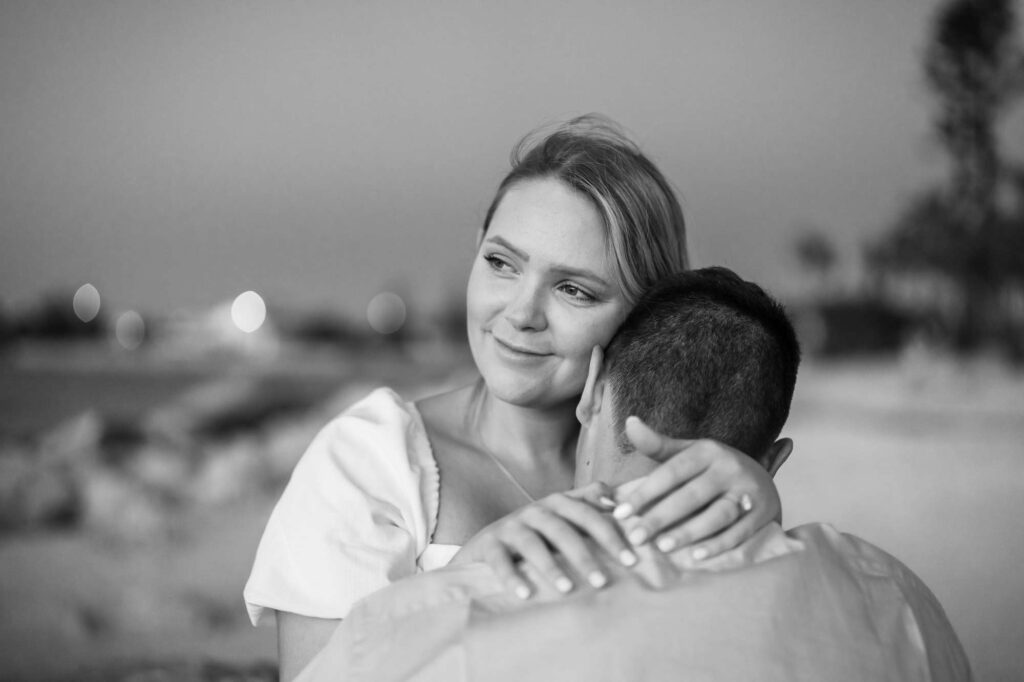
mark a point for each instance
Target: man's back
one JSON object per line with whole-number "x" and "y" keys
{"x": 811, "y": 604}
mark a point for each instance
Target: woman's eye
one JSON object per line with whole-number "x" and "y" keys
{"x": 498, "y": 264}
{"x": 577, "y": 294}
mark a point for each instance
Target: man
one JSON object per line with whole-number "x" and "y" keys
{"x": 704, "y": 354}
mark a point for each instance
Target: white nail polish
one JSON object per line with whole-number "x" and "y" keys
{"x": 523, "y": 592}
{"x": 563, "y": 585}
{"x": 627, "y": 558}
{"x": 699, "y": 554}
{"x": 666, "y": 543}
{"x": 637, "y": 536}
{"x": 597, "y": 579}
{"x": 623, "y": 511}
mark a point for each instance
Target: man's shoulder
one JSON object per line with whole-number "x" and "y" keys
{"x": 882, "y": 578}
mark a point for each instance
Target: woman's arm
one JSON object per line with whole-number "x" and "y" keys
{"x": 299, "y": 639}
{"x": 703, "y": 492}
{"x": 549, "y": 534}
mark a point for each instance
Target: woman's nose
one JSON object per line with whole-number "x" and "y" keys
{"x": 526, "y": 309}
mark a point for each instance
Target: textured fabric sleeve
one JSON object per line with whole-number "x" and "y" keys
{"x": 926, "y": 619}
{"x": 352, "y": 518}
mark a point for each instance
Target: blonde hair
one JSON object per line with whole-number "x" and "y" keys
{"x": 643, "y": 220}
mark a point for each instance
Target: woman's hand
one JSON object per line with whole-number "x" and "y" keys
{"x": 704, "y": 492}
{"x": 550, "y": 535}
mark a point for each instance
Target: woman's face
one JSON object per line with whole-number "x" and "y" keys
{"x": 541, "y": 295}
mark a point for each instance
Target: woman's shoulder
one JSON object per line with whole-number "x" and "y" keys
{"x": 358, "y": 510}
{"x": 380, "y": 429}
{"x": 381, "y": 405}
{"x": 370, "y": 464}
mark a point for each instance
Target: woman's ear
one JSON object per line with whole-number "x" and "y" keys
{"x": 593, "y": 389}
{"x": 777, "y": 455}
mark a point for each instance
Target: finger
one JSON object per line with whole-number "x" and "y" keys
{"x": 595, "y": 524}
{"x": 730, "y": 538}
{"x": 598, "y": 494}
{"x": 502, "y": 562}
{"x": 651, "y": 443}
{"x": 681, "y": 503}
{"x": 667, "y": 477}
{"x": 764, "y": 511}
{"x": 714, "y": 519}
{"x": 565, "y": 538}
{"x": 525, "y": 541}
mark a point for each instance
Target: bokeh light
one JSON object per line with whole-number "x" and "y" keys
{"x": 386, "y": 313}
{"x": 86, "y": 303}
{"x": 130, "y": 330}
{"x": 248, "y": 312}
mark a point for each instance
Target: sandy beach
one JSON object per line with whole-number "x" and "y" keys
{"x": 921, "y": 457}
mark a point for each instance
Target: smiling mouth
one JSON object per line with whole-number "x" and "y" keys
{"x": 518, "y": 350}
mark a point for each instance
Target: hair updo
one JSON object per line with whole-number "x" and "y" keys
{"x": 643, "y": 221}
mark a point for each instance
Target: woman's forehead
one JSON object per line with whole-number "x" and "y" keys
{"x": 547, "y": 221}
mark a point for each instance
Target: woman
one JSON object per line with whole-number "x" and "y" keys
{"x": 579, "y": 228}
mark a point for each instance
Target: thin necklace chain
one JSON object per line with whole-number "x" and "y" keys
{"x": 478, "y": 405}
{"x": 508, "y": 474}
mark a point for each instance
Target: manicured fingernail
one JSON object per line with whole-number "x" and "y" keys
{"x": 597, "y": 579}
{"x": 637, "y": 536}
{"x": 623, "y": 511}
{"x": 563, "y": 585}
{"x": 627, "y": 558}
{"x": 666, "y": 543}
{"x": 699, "y": 554}
{"x": 523, "y": 592}
{"x": 607, "y": 502}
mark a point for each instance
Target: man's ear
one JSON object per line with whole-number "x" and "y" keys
{"x": 593, "y": 390}
{"x": 777, "y": 455}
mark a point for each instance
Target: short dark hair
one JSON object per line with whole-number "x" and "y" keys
{"x": 705, "y": 354}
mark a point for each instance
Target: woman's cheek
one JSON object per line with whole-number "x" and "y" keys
{"x": 599, "y": 332}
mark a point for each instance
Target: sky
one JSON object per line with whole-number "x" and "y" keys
{"x": 175, "y": 154}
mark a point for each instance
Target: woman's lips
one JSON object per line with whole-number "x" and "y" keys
{"x": 518, "y": 351}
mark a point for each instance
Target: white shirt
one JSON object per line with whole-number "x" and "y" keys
{"x": 358, "y": 514}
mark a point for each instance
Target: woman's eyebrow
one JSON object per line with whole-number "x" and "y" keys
{"x": 561, "y": 269}
{"x": 522, "y": 255}
{"x": 576, "y": 273}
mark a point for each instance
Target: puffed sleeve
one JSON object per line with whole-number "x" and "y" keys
{"x": 354, "y": 516}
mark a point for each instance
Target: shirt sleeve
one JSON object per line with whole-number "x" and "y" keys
{"x": 354, "y": 516}
{"x": 926, "y": 620}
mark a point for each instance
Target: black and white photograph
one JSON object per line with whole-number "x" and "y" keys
{"x": 469, "y": 341}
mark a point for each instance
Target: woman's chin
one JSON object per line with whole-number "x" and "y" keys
{"x": 515, "y": 391}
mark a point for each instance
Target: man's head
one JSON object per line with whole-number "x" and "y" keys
{"x": 704, "y": 354}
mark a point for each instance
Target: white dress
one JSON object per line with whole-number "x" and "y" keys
{"x": 358, "y": 513}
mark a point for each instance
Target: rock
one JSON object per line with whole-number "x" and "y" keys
{"x": 48, "y": 497}
{"x": 33, "y": 493}
{"x": 162, "y": 467}
{"x": 229, "y": 471}
{"x": 73, "y": 440}
{"x": 115, "y": 505}
{"x": 15, "y": 468}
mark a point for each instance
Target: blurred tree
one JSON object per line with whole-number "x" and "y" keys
{"x": 961, "y": 232}
{"x": 53, "y": 317}
{"x": 816, "y": 253}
